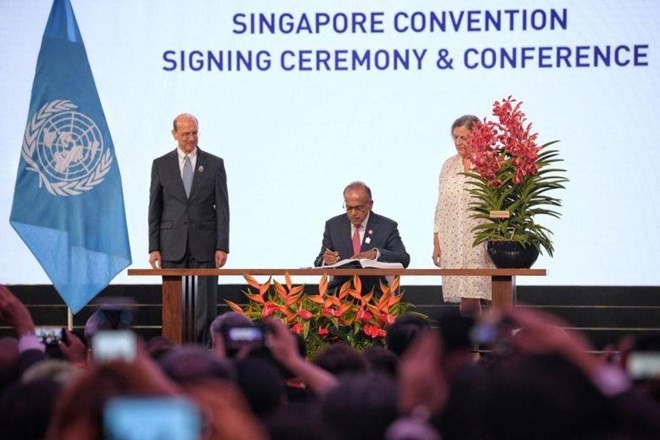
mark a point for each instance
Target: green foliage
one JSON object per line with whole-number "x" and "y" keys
{"x": 524, "y": 201}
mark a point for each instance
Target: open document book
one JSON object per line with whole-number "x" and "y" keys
{"x": 364, "y": 262}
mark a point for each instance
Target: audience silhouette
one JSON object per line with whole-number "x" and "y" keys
{"x": 534, "y": 379}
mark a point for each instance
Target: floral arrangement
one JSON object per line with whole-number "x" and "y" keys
{"x": 343, "y": 315}
{"x": 511, "y": 178}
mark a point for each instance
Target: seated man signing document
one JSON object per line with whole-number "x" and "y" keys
{"x": 360, "y": 234}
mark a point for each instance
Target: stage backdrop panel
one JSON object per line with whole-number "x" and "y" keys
{"x": 301, "y": 98}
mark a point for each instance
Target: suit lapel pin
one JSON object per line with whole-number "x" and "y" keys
{"x": 200, "y": 169}
{"x": 367, "y": 240}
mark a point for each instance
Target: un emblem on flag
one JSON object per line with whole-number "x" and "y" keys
{"x": 66, "y": 149}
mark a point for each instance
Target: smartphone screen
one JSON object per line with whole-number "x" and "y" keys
{"x": 114, "y": 344}
{"x": 151, "y": 418}
{"x": 237, "y": 337}
{"x": 49, "y": 335}
{"x": 484, "y": 334}
{"x": 644, "y": 365}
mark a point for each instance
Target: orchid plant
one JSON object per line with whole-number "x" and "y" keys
{"x": 511, "y": 179}
{"x": 344, "y": 314}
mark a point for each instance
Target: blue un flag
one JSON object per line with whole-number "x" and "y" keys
{"x": 68, "y": 203}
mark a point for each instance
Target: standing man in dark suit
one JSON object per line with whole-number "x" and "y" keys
{"x": 189, "y": 215}
{"x": 361, "y": 233}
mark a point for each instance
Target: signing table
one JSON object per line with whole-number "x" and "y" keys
{"x": 179, "y": 287}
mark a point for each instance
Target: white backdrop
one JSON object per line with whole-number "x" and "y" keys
{"x": 291, "y": 140}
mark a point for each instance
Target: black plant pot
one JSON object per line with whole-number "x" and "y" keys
{"x": 511, "y": 254}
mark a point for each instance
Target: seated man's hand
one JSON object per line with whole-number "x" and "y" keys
{"x": 330, "y": 257}
{"x": 367, "y": 255}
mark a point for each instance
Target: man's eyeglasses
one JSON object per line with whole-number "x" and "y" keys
{"x": 359, "y": 208}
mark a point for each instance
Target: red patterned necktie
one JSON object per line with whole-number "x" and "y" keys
{"x": 356, "y": 240}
